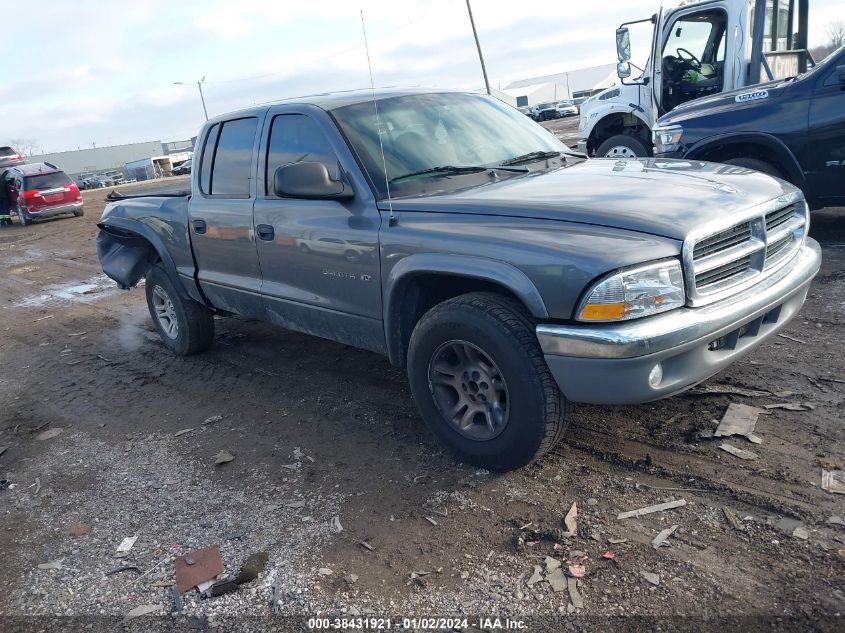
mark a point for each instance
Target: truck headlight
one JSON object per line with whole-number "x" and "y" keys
{"x": 635, "y": 292}
{"x": 667, "y": 139}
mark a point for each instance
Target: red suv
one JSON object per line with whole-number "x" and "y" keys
{"x": 40, "y": 190}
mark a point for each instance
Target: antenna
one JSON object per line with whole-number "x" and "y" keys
{"x": 392, "y": 218}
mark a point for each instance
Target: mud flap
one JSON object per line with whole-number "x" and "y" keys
{"x": 125, "y": 260}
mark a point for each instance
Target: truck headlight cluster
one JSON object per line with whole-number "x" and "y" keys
{"x": 635, "y": 292}
{"x": 667, "y": 139}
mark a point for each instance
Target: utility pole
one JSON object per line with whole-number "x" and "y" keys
{"x": 202, "y": 97}
{"x": 478, "y": 46}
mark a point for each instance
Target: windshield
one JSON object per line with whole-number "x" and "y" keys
{"x": 426, "y": 131}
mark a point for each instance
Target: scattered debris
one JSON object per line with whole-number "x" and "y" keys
{"x": 557, "y": 579}
{"x": 792, "y": 338}
{"x": 49, "y": 434}
{"x": 5, "y": 483}
{"x": 551, "y": 564}
{"x": 276, "y": 595}
{"x": 536, "y": 577}
{"x": 732, "y": 519}
{"x": 739, "y": 419}
{"x": 178, "y": 606}
{"x": 653, "y": 578}
{"x": 79, "y": 529}
{"x": 122, "y": 568}
{"x": 37, "y": 485}
{"x": 577, "y": 571}
{"x": 203, "y": 587}
{"x": 337, "y": 528}
{"x": 325, "y": 571}
{"x": 729, "y": 389}
{"x": 295, "y": 504}
{"x": 430, "y": 520}
{"x": 792, "y": 406}
{"x": 220, "y": 587}
{"x": 125, "y": 545}
{"x": 3, "y": 449}
{"x": 570, "y": 520}
{"x": 608, "y": 555}
{"x": 660, "y": 539}
{"x": 198, "y": 566}
{"x": 660, "y": 507}
{"x": 293, "y": 466}
{"x": 144, "y": 609}
{"x": 801, "y": 532}
{"x": 56, "y": 564}
{"x": 49, "y": 316}
{"x": 574, "y": 597}
{"x": 223, "y": 457}
{"x": 366, "y": 546}
{"x": 827, "y": 379}
{"x": 212, "y": 419}
{"x": 77, "y": 333}
{"x": 737, "y": 452}
{"x": 836, "y": 520}
{"x": 350, "y": 579}
{"x": 592, "y": 501}
{"x": 617, "y": 541}
{"x": 183, "y": 431}
{"x": 252, "y": 567}
{"x": 833, "y": 481}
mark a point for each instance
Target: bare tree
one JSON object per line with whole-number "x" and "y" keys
{"x": 26, "y": 146}
{"x": 835, "y": 32}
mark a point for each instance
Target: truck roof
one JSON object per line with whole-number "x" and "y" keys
{"x": 332, "y": 100}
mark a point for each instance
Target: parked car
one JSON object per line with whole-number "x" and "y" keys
{"x": 83, "y": 181}
{"x": 511, "y": 275}
{"x": 546, "y": 111}
{"x": 792, "y": 129}
{"x": 115, "y": 177}
{"x": 183, "y": 168}
{"x": 41, "y": 190}
{"x": 9, "y": 157}
{"x": 566, "y": 108}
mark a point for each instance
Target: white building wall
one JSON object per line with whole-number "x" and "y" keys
{"x": 97, "y": 159}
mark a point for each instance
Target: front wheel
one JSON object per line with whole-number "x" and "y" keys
{"x": 185, "y": 326}
{"x": 622, "y": 146}
{"x": 23, "y": 218}
{"x": 481, "y": 383}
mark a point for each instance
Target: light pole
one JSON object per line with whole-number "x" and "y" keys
{"x": 478, "y": 46}
{"x": 202, "y": 97}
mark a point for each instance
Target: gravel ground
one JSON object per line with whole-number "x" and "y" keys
{"x": 329, "y": 453}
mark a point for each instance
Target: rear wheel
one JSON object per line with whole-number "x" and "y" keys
{"x": 23, "y": 218}
{"x": 622, "y": 146}
{"x": 79, "y": 213}
{"x": 185, "y": 326}
{"x": 757, "y": 165}
{"x": 481, "y": 383}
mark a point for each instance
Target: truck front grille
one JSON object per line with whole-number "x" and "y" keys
{"x": 722, "y": 261}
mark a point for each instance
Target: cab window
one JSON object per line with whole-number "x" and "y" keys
{"x": 296, "y": 138}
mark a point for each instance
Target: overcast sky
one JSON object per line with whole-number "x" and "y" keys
{"x": 94, "y": 71}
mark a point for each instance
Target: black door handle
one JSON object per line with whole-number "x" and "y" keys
{"x": 265, "y": 232}
{"x": 200, "y": 226}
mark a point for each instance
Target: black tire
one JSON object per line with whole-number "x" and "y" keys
{"x": 757, "y": 165}
{"x": 194, "y": 330}
{"x": 504, "y": 332}
{"x": 621, "y": 146}
{"x": 79, "y": 213}
{"x": 23, "y": 218}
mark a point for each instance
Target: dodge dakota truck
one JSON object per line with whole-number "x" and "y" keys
{"x": 506, "y": 273}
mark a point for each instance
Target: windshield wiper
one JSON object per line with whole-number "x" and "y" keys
{"x": 445, "y": 169}
{"x": 531, "y": 156}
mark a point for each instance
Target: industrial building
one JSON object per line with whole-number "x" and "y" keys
{"x": 111, "y": 157}
{"x": 559, "y": 86}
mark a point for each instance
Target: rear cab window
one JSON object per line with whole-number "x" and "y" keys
{"x": 43, "y": 182}
{"x": 227, "y": 158}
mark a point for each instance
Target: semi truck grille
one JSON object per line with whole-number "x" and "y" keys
{"x": 723, "y": 261}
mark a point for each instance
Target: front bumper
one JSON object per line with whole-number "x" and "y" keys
{"x": 610, "y": 363}
{"x": 59, "y": 209}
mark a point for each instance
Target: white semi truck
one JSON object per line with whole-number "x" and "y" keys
{"x": 698, "y": 48}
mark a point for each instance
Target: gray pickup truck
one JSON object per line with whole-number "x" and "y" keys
{"x": 446, "y": 230}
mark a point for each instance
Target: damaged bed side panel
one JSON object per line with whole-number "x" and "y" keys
{"x": 136, "y": 232}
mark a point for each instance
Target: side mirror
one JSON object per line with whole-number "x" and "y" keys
{"x": 308, "y": 180}
{"x": 623, "y": 70}
{"x": 623, "y": 44}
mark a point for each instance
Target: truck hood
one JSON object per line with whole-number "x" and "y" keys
{"x": 662, "y": 197}
{"x": 748, "y": 97}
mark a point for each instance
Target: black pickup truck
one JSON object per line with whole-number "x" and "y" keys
{"x": 506, "y": 273}
{"x": 793, "y": 129}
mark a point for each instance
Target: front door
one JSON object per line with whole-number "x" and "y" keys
{"x": 826, "y": 158}
{"x": 319, "y": 258}
{"x": 221, "y": 217}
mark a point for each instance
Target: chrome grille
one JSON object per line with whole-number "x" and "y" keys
{"x": 724, "y": 259}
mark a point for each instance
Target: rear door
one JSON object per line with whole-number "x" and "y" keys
{"x": 220, "y": 210}
{"x": 826, "y": 136}
{"x": 319, "y": 258}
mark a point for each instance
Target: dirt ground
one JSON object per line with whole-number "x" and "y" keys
{"x": 360, "y": 510}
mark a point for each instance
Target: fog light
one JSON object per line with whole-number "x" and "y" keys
{"x": 655, "y": 376}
